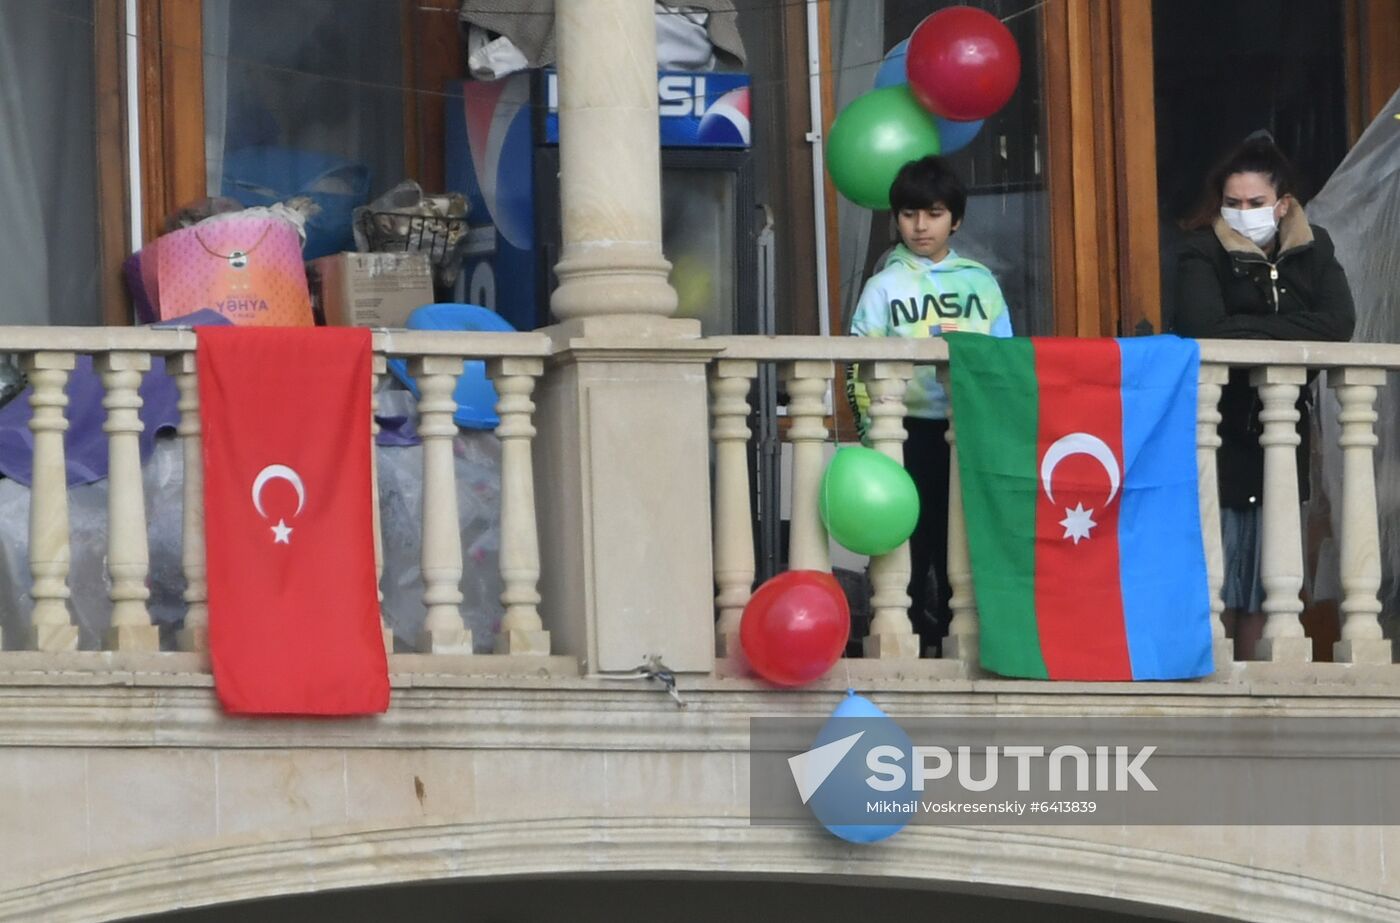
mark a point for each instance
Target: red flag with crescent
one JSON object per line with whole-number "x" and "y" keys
{"x": 294, "y": 624}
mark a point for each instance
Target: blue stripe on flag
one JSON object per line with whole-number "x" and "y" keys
{"x": 1166, "y": 603}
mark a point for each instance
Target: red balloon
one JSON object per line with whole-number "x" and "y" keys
{"x": 962, "y": 64}
{"x": 795, "y": 627}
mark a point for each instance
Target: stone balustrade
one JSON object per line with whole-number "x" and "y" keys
{"x": 522, "y": 364}
{"x": 121, "y": 356}
{"x": 1279, "y": 370}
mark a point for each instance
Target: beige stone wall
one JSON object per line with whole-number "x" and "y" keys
{"x": 129, "y": 793}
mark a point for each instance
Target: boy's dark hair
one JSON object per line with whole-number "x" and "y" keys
{"x": 1256, "y": 154}
{"x": 928, "y": 182}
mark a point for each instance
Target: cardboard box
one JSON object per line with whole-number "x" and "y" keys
{"x": 370, "y": 289}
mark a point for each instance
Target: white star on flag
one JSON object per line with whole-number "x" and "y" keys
{"x": 283, "y": 533}
{"x": 1077, "y": 523}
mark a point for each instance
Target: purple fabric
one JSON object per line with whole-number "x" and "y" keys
{"x": 84, "y": 444}
{"x": 136, "y": 287}
{"x": 396, "y": 431}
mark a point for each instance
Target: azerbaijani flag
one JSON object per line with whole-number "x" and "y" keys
{"x": 1078, "y": 466}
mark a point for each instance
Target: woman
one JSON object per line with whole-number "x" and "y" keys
{"x": 1255, "y": 269}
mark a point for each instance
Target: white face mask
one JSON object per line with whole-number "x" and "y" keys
{"x": 1257, "y": 224}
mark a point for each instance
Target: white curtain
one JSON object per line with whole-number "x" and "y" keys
{"x": 217, "y": 18}
{"x": 48, "y": 240}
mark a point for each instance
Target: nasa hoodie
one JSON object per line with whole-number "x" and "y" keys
{"x": 915, "y": 297}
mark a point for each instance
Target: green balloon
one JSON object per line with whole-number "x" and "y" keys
{"x": 868, "y": 501}
{"x": 872, "y": 138}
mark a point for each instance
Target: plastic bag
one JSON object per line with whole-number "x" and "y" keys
{"x": 477, "y": 464}
{"x": 88, "y": 582}
{"x": 478, "y": 471}
{"x": 1360, "y": 208}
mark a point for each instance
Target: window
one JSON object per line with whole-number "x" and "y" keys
{"x": 1006, "y": 226}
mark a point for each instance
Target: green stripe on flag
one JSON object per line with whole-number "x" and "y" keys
{"x": 996, "y": 414}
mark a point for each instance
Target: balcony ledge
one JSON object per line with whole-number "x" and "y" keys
{"x": 122, "y": 700}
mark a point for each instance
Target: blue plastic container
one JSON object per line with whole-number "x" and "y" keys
{"x": 475, "y": 395}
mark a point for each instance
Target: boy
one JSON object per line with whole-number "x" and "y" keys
{"x": 926, "y": 290}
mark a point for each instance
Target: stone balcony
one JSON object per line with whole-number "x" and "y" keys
{"x": 552, "y": 747}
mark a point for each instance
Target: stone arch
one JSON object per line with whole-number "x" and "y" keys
{"x": 990, "y": 861}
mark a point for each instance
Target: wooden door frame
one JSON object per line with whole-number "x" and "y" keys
{"x": 1372, "y": 60}
{"x": 113, "y": 167}
{"x": 171, "y": 52}
{"x": 1102, "y": 166}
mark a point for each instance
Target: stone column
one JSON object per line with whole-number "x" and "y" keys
{"x": 1362, "y": 640}
{"x": 194, "y": 636}
{"x": 128, "y": 551}
{"x": 522, "y": 631}
{"x": 963, "y": 643}
{"x": 1212, "y": 378}
{"x": 622, "y": 456}
{"x": 1281, "y": 533}
{"x": 443, "y": 629}
{"x": 622, "y": 465}
{"x": 378, "y": 368}
{"x": 730, "y": 380}
{"x": 609, "y": 163}
{"x": 808, "y": 544}
{"x": 51, "y": 626}
{"x": 891, "y": 634}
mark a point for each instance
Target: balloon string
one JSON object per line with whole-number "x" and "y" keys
{"x": 1029, "y": 9}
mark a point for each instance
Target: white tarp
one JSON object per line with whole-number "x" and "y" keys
{"x": 1360, "y": 208}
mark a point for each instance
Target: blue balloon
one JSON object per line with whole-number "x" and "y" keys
{"x": 955, "y": 136}
{"x": 857, "y": 706}
{"x": 844, "y": 790}
{"x": 952, "y": 136}
{"x": 891, "y": 72}
{"x": 474, "y": 394}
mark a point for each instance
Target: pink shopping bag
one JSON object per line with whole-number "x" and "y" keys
{"x": 248, "y": 269}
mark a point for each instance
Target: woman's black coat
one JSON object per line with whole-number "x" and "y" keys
{"x": 1227, "y": 288}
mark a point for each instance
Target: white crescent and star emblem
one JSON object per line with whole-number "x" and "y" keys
{"x": 282, "y": 533}
{"x": 1079, "y": 521}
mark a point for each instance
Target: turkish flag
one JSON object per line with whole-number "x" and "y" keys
{"x": 294, "y": 623}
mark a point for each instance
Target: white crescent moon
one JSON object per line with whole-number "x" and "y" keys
{"x": 1080, "y": 444}
{"x": 270, "y": 473}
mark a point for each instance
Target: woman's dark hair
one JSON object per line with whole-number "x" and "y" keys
{"x": 1257, "y": 154}
{"x": 928, "y": 182}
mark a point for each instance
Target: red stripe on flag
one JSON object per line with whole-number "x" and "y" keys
{"x": 1079, "y": 445}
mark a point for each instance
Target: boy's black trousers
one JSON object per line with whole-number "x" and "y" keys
{"x": 926, "y": 459}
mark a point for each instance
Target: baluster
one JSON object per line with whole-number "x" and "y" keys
{"x": 1362, "y": 640}
{"x": 730, "y": 381}
{"x": 964, "y": 629}
{"x": 128, "y": 557}
{"x": 1212, "y": 377}
{"x": 194, "y": 636}
{"x": 379, "y": 366}
{"x": 521, "y": 631}
{"x": 1281, "y": 535}
{"x": 806, "y": 383}
{"x": 891, "y": 634}
{"x": 443, "y": 629}
{"x": 51, "y": 626}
